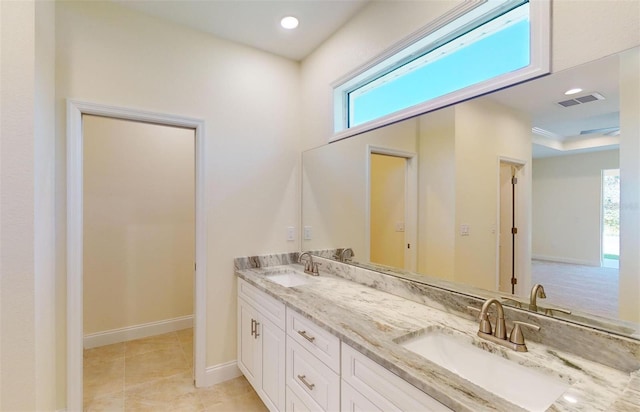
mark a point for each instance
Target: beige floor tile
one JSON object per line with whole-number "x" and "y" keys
{"x": 184, "y": 403}
{"x": 103, "y": 378}
{"x": 104, "y": 353}
{"x": 109, "y": 403}
{"x": 162, "y": 390}
{"x": 185, "y": 337}
{"x": 151, "y": 344}
{"x": 243, "y": 403}
{"x": 225, "y": 391}
{"x": 157, "y": 364}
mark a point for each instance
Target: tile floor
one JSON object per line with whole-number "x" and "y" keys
{"x": 155, "y": 374}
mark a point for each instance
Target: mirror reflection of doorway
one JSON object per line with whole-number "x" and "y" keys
{"x": 508, "y": 227}
{"x": 387, "y": 218}
{"x": 610, "y": 218}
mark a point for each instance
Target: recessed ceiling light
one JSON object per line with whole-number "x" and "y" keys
{"x": 289, "y": 22}
{"x": 573, "y": 91}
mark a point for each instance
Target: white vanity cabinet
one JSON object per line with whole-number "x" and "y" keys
{"x": 313, "y": 366}
{"x": 370, "y": 387}
{"x": 261, "y": 344}
{"x": 296, "y": 365}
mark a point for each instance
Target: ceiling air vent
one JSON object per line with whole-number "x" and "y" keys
{"x": 581, "y": 100}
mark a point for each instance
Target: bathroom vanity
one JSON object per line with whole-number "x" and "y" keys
{"x": 332, "y": 342}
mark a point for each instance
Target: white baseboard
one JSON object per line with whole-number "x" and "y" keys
{"x": 137, "y": 332}
{"x": 220, "y": 373}
{"x": 566, "y": 260}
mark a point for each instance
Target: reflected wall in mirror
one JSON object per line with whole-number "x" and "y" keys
{"x": 440, "y": 194}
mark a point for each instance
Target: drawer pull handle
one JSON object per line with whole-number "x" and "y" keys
{"x": 257, "y": 334}
{"x": 253, "y": 327}
{"x": 303, "y": 333}
{"x": 307, "y": 384}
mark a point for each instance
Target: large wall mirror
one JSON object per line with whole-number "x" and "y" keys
{"x": 497, "y": 194}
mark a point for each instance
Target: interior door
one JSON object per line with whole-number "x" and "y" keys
{"x": 387, "y": 205}
{"x": 506, "y": 244}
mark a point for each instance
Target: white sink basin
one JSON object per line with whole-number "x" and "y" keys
{"x": 289, "y": 279}
{"x": 515, "y": 383}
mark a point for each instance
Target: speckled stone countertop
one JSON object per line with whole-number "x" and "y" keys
{"x": 372, "y": 321}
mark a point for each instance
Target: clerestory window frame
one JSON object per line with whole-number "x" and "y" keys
{"x": 462, "y": 19}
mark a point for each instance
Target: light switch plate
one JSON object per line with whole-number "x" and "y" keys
{"x": 291, "y": 233}
{"x": 308, "y": 234}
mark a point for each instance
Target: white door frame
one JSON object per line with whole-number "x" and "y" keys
{"x": 523, "y": 222}
{"x": 410, "y": 204}
{"x": 75, "y": 110}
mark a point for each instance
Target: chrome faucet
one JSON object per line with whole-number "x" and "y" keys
{"x": 537, "y": 291}
{"x": 346, "y": 255}
{"x": 499, "y": 336}
{"x": 310, "y": 266}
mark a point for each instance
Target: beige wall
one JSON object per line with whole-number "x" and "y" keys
{"x": 387, "y": 209}
{"x": 437, "y": 194}
{"x": 485, "y": 131}
{"x": 139, "y": 228}
{"x": 249, "y": 100}
{"x": 334, "y": 180}
{"x": 566, "y": 193}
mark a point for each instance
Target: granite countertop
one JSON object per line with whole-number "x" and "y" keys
{"x": 371, "y": 321}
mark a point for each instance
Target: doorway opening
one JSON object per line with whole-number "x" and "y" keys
{"x": 510, "y": 207}
{"x": 391, "y": 217}
{"x": 610, "y": 225}
{"x": 75, "y": 234}
{"x": 138, "y": 255}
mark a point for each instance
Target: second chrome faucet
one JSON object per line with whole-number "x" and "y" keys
{"x": 515, "y": 340}
{"x": 310, "y": 266}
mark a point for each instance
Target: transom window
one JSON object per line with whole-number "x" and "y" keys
{"x": 493, "y": 45}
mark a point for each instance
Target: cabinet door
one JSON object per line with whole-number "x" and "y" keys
{"x": 273, "y": 363}
{"x": 249, "y": 348}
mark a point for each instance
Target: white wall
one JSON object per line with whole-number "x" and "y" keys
{"x": 582, "y": 31}
{"x": 249, "y": 100}
{"x": 566, "y": 203}
{"x": 138, "y": 228}
{"x": 26, "y": 207}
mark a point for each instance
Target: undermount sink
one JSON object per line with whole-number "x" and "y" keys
{"x": 289, "y": 279}
{"x": 520, "y": 385}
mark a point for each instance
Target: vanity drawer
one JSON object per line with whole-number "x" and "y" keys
{"x": 311, "y": 380}
{"x": 383, "y": 388}
{"x": 316, "y": 340}
{"x": 295, "y": 404}
{"x": 268, "y": 306}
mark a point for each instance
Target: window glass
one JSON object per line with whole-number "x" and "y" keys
{"x": 486, "y": 44}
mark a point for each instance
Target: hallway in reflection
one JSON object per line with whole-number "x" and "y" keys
{"x": 582, "y": 288}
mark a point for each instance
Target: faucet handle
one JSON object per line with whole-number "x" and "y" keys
{"x": 516, "y": 335}
{"x": 315, "y": 267}
{"x": 485, "y": 324}
{"x": 549, "y": 311}
{"x": 508, "y": 299}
